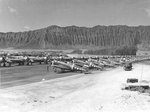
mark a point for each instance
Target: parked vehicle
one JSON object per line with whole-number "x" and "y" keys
{"x": 128, "y": 66}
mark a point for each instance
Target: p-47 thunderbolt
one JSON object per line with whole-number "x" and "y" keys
{"x": 11, "y": 60}
{"x": 37, "y": 59}
{"x": 3, "y": 61}
{"x": 106, "y": 63}
{"x": 20, "y": 60}
{"x": 95, "y": 64}
{"x": 60, "y": 66}
{"x": 89, "y": 64}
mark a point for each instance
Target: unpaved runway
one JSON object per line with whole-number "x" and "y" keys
{"x": 97, "y": 92}
{"x": 20, "y": 75}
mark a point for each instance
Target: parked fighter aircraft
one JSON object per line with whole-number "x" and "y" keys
{"x": 80, "y": 63}
{"x": 114, "y": 62}
{"x": 89, "y": 64}
{"x": 106, "y": 63}
{"x": 37, "y": 59}
{"x": 3, "y": 61}
{"x": 95, "y": 64}
{"x": 60, "y": 66}
{"x": 20, "y": 60}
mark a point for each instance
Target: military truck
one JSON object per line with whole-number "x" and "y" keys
{"x": 128, "y": 66}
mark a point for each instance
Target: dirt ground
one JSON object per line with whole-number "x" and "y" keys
{"x": 96, "y": 92}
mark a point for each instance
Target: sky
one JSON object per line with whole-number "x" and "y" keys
{"x": 24, "y": 15}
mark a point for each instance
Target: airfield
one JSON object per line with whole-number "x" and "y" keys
{"x": 96, "y": 92}
{"x": 38, "y": 88}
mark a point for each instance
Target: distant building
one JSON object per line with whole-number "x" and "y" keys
{"x": 143, "y": 53}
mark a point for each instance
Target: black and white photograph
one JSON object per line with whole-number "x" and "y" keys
{"x": 74, "y": 55}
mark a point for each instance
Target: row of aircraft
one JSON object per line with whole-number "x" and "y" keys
{"x": 84, "y": 65}
{"x": 63, "y": 63}
{"x": 21, "y": 60}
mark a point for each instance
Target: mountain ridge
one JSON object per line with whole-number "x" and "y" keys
{"x": 57, "y": 37}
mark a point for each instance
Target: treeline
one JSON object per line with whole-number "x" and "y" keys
{"x": 76, "y": 51}
{"x": 105, "y": 51}
{"x": 77, "y": 37}
{"x": 125, "y": 50}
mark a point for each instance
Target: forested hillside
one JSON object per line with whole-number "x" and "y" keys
{"x": 77, "y": 37}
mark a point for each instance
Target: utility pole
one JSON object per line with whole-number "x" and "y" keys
{"x": 0, "y": 79}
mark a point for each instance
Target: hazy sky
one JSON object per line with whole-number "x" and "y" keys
{"x": 21, "y": 15}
